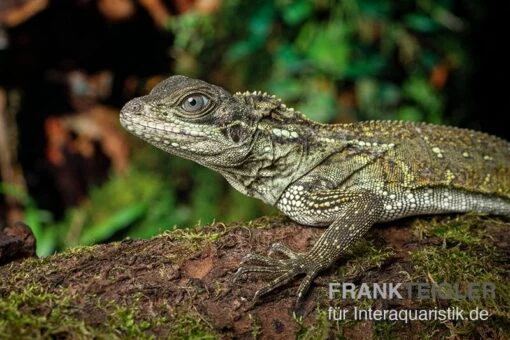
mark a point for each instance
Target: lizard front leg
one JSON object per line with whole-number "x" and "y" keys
{"x": 353, "y": 213}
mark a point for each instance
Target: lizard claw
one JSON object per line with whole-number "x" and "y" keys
{"x": 286, "y": 269}
{"x": 268, "y": 265}
{"x": 268, "y": 261}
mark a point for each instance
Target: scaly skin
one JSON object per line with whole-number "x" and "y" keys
{"x": 345, "y": 176}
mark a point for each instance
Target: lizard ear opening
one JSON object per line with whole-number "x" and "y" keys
{"x": 237, "y": 132}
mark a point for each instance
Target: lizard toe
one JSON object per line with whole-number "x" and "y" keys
{"x": 284, "y": 250}
{"x": 265, "y": 260}
{"x": 287, "y": 269}
{"x": 288, "y": 274}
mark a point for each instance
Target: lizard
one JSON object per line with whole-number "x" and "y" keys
{"x": 346, "y": 177}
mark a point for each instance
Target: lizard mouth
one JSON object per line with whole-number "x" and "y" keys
{"x": 166, "y": 136}
{"x": 154, "y": 130}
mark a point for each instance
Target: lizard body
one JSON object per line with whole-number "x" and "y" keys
{"x": 344, "y": 176}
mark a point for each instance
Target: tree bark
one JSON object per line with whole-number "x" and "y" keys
{"x": 180, "y": 284}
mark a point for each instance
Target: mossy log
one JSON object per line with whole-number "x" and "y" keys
{"x": 180, "y": 284}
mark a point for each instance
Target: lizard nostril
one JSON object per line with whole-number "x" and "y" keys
{"x": 133, "y": 107}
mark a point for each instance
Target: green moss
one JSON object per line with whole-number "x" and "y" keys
{"x": 461, "y": 229}
{"x": 191, "y": 325}
{"x": 384, "y": 329}
{"x": 255, "y": 327}
{"x": 464, "y": 252}
{"x": 193, "y": 239}
{"x": 34, "y": 313}
{"x": 467, "y": 256}
{"x": 363, "y": 256}
{"x": 321, "y": 328}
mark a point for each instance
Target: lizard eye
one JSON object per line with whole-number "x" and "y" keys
{"x": 194, "y": 103}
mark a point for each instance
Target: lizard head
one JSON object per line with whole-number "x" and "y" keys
{"x": 193, "y": 119}
{"x": 258, "y": 144}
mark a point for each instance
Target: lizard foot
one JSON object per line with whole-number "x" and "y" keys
{"x": 295, "y": 264}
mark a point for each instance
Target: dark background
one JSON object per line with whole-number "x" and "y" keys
{"x": 67, "y": 68}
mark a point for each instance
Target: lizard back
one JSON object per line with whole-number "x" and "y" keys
{"x": 427, "y": 155}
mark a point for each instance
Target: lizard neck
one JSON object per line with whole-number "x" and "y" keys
{"x": 280, "y": 155}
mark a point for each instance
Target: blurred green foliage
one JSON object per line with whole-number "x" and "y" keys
{"x": 159, "y": 192}
{"x": 333, "y": 60}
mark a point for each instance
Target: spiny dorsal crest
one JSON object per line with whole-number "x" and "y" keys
{"x": 270, "y": 106}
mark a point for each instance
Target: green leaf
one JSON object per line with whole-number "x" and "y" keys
{"x": 242, "y": 50}
{"x": 326, "y": 47}
{"x": 369, "y": 66}
{"x": 297, "y": 11}
{"x": 420, "y": 90}
{"x": 288, "y": 60}
{"x": 375, "y": 8}
{"x": 410, "y": 113}
{"x": 390, "y": 94}
{"x": 288, "y": 88}
{"x": 45, "y": 233}
{"x": 366, "y": 92}
{"x": 421, "y": 23}
{"x": 261, "y": 22}
{"x": 47, "y": 241}
{"x": 103, "y": 230}
{"x": 320, "y": 105}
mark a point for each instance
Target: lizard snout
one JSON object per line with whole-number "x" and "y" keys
{"x": 133, "y": 107}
